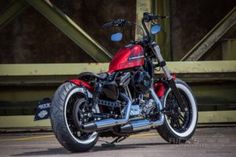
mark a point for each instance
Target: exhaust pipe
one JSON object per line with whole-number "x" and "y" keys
{"x": 106, "y": 123}
{"x": 138, "y": 125}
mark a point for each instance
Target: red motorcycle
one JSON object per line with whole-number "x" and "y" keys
{"x": 125, "y": 100}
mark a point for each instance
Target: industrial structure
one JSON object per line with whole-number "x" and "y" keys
{"x": 36, "y": 56}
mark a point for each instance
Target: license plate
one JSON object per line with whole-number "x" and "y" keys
{"x": 43, "y": 109}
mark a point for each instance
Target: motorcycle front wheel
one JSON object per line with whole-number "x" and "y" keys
{"x": 68, "y": 110}
{"x": 179, "y": 126}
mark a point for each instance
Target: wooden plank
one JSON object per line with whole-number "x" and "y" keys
{"x": 71, "y": 30}
{"x": 74, "y": 69}
{"x": 28, "y": 122}
{"x": 212, "y": 37}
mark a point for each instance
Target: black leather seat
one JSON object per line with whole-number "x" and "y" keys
{"x": 90, "y": 75}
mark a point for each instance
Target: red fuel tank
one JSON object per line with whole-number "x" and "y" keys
{"x": 127, "y": 57}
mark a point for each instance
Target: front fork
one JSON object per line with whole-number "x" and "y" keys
{"x": 171, "y": 80}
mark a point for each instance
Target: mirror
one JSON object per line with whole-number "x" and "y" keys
{"x": 116, "y": 36}
{"x": 155, "y": 29}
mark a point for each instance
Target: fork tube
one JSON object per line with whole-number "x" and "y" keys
{"x": 161, "y": 61}
{"x": 171, "y": 81}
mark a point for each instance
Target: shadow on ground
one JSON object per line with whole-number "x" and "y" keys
{"x": 61, "y": 151}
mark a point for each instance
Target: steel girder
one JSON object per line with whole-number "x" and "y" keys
{"x": 14, "y": 9}
{"x": 62, "y": 22}
{"x": 212, "y": 37}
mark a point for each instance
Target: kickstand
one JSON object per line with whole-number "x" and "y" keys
{"x": 116, "y": 140}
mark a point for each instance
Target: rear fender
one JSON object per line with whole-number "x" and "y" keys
{"x": 43, "y": 107}
{"x": 82, "y": 83}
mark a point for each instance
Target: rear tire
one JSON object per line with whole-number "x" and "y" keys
{"x": 176, "y": 133}
{"x": 63, "y": 126}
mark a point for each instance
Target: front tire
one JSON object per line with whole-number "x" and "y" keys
{"x": 67, "y": 98}
{"x": 179, "y": 126}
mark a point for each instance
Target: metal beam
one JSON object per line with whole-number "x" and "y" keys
{"x": 229, "y": 49}
{"x": 22, "y": 121}
{"x": 141, "y": 7}
{"x": 71, "y": 29}
{"x": 21, "y": 95}
{"x": 28, "y": 121}
{"x": 162, "y": 7}
{"x": 74, "y": 69}
{"x": 206, "y": 93}
{"x": 217, "y": 117}
{"x": 212, "y": 37}
{"x": 15, "y": 8}
{"x": 49, "y": 69}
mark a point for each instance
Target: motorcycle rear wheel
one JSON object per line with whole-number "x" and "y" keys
{"x": 179, "y": 126}
{"x": 67, "y": 98}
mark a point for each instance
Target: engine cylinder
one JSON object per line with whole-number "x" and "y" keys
{"x": 142, "y": 81}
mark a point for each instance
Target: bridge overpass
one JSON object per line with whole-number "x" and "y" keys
{"x": 213, "y": 81}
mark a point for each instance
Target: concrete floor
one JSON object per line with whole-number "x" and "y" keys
{"x": 215, "y": 142}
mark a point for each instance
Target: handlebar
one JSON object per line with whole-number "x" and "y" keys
{"x": 117, "y": 23}
{"x": 147, "y": 17}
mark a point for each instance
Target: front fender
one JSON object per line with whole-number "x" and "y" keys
{"x": 160, "y": 88}
{"x": 82, "y": 83}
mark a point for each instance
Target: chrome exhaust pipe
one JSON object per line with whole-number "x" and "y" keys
{"x": 138, "y": 125}
{"x": 106, "y": 123}
{"x": 143, "y": 124}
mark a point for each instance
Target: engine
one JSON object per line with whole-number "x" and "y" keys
{"x": 141, "y": 81}
{"x": 135, "y": 85}
{"x": 144, "y": 109}
{"x": 138, "y": 82}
